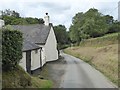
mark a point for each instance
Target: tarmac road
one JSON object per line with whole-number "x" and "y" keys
{"x": 79, "y": 74}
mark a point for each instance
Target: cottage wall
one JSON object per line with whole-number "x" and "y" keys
{"x": 43, "y": 56}
{"x": 35, "y": 59}
{"x": 51, "y": 52}
{"x": 22, "y": 62}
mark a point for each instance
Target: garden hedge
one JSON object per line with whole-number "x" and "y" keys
{"x": 11, "y": 48}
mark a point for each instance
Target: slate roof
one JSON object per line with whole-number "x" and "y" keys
{"x": 36, "y": 33}
{"x": 27, "y": 45}
{"x": 33, "y": 34}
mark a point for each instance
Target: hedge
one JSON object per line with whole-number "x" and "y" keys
{"x": 11, "y": 48}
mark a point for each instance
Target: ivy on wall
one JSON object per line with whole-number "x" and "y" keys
{"x": 11, "y": 48}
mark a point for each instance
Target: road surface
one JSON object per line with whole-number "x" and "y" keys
{"x": 79, "y": 74}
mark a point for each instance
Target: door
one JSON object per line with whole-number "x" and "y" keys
{"x": 41, "y": 58}
{"x": 28, "y": 61}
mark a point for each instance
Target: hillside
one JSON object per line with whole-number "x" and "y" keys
{"x": 101, "y": 53}
{"x": 18, "y": 78}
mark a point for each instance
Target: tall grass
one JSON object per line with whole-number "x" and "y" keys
{"x": 101, "y": 41}
{"x": 101, "y": 53}
{"x": 18, "y": 78}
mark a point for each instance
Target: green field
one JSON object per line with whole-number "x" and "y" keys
{"x": 101, "y": 53}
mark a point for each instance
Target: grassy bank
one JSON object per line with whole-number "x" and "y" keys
{"x": 18, "y": 78}
{"x": 102, "y": 53}
{"x": 101, "y": 41}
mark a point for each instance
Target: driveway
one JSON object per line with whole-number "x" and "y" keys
{"x": 71, "y": 72}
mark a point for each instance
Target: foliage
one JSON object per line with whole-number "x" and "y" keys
{"x": 74, "y": 28}
{"x": 13, "y": 18}
{"x": 11, "y": 48}
{"x": 9, "y": 12}
{"x": 115, "y": 27}
{"x": 18, "y": 78}
{"x": 61, "y": 36}
{"x": 91, "y": 24}
{"x": 31, "y": 20}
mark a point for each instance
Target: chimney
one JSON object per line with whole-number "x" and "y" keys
{"x": 47, "y": 19}
{"x": 2, "y": 23}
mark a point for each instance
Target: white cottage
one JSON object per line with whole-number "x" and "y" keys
{"x": 40, "y": 45}
{"x": 31, "y": 56}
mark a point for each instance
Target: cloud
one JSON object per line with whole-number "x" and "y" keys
{"x": 50, "y": 7}
{"x": 55, "y": 6}
{"x": 107, "y": 8}
{"x": 60, "y": 11}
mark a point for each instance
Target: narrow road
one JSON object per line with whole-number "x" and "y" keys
{"x": 79, "y": 74}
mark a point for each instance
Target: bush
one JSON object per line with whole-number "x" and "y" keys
{"x": 11, "y": 48}
{"x": 60, "y": 46}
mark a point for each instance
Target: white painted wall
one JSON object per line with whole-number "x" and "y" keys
{"x": 35, "y": 59}
{"x": 22, "y": 62}
{"x": 43, "y": 56}
{"x": 51, "y": 52}
{"x": 47, "y": 20}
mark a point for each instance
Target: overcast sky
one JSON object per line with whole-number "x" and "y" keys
{"x": 60, "y": 11}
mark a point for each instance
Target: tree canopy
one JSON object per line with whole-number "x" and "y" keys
{"x": 62, "y": 36}
{"x": 91, "y": 24}
{"x": 13, "y": 18}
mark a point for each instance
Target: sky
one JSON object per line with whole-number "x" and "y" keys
{"x": 60, "y": 11}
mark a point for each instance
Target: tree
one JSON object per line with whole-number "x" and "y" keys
{"x": 41, "y": 21}
{"x": 109, "y": 19}
{"x": 15, "y": 14}
{"x": 74, "y": 34}
{"x": 9, "y": 12}
{"x": 31, "y": 20}
{"x": 75, "y": 30}
{"x": 13, "y": 18}
{"x": 89, "y": 24}
{"x": 61, "y": 36}
{"x": 115, "y": 27}
{"x": 11, "y": 48}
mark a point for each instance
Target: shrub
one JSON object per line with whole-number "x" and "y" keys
{"x": 11, "y": 48}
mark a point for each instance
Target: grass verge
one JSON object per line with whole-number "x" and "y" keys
{"x": 105, "y": 62}
{"x": 101, "y": 53}
{"x": 18, "y": 78}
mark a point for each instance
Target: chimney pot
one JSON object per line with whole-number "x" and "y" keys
{"x": 47, "y": 19}
{"x": 46, "y": 13}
